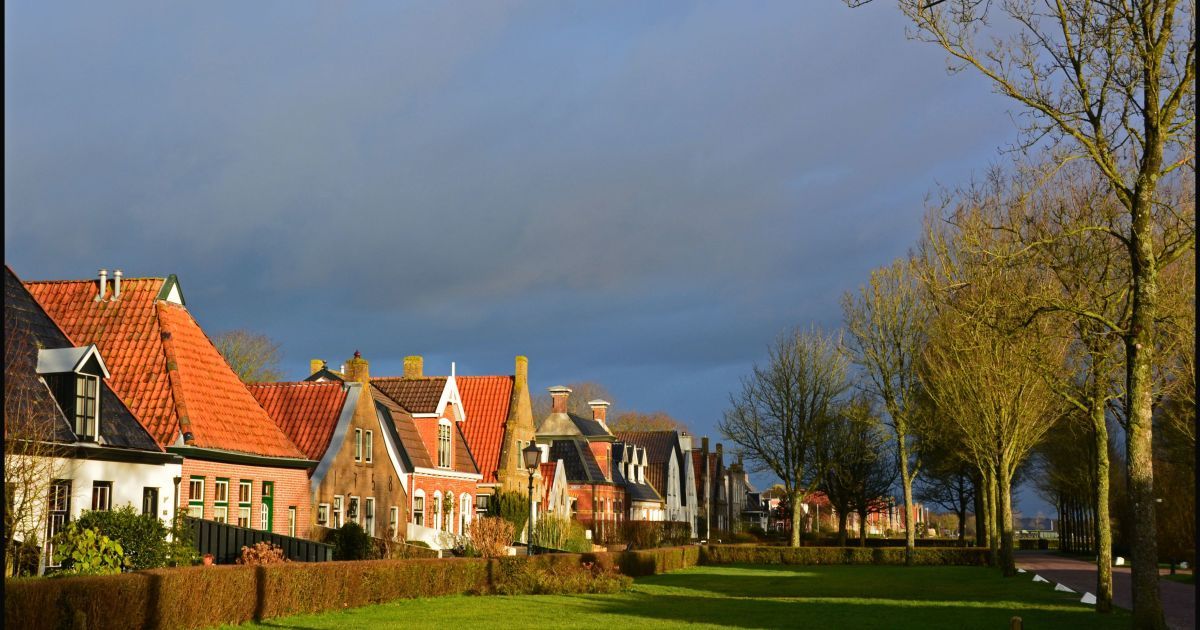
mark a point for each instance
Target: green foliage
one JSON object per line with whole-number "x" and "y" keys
{"x": 181, "y": 548}
{"x": 84, "y": 551}
{"x": 560, "y": 534}
{"x": 512, "y": 507}
{"x": 643, "y": 534}
{"x": 562, "y": 578}
{"x": 351, "y": 542}
{"x": 142, "y": 536}
{"x": 744, "y": 554}
{"x": 25, "y": 557}
{"x": 676, "y": 533}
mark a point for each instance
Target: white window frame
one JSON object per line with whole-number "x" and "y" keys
{"x": 356, "y": 503}
{"x": 465, "y": 512}
{"x": 196, "y": 502}
{"x": 323, "y": 515}
{"x": 445, "y": 446}
{"x": 369, "y": 516}
{"x": 91, "y": 425}
{"x": 339, "y": 511}
{"x": 292, "y": 521}
{"x": 370, "y": 446}
{"x": 419, "y": 509}
{"x": 358, "y": 445}
{"x": 437, "y": 510}
{"x": 394, "y": 521}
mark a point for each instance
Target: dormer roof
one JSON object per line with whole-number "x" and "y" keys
{"x": 62, "y": 360}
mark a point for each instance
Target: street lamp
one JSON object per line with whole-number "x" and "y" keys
{"x": 532, "y": 455}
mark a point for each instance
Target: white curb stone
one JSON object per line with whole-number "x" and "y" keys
{"x": 1120, "y": 562}
{"x": 1038, "y": 578}
{"x": 1088, "y": 598}
{"x": 1020, "y": 570}
{"x": 1065, "y": 589}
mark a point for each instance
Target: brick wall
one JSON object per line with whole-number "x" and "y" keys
{"x": 290, "y": 489}
{"x": 431, "y": 485}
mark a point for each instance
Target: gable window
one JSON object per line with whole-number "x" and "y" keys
{"x": 323, "y": 514}
{"x": 394, "y": 522}
{"x": 59, "y": 513}
{"x": 196, "y": 497}
{"x": 245, "y": 490}
{"x": 221, "y": 501}
{"x": 337, "y": 511}
{"x": 418, "y": 513}
{"x": 369, "y": 516}
{"x": 370, "y": 446}
{"x": 444, "y": 444}
{"x": 358, "y": 445}
{"x": 86, "y": 410}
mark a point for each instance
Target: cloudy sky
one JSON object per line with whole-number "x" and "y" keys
{"x": 640, "y": 194}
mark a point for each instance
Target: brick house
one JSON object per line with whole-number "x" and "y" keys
{"x": 584, "y": 447}
{"x": 642, "y": 501}
{"x": 90, "y": 452}
{"x": 712, "y": 491}
{"x": 360, "y": 476}
{"x": 238, "y": 466}
{"x": 669, "y": 470}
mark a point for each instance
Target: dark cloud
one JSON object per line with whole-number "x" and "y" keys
{"x": 640, "y": 195}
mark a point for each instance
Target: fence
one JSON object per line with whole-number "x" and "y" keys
{"x": 225, "y": 542}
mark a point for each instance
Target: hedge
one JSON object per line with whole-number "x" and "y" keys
{"x": 747, "y": 554}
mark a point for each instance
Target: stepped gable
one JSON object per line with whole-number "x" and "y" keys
{"x": 163, "y": 366}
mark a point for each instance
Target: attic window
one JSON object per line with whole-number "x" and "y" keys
{"x": 73, "y": 376}
{"x": 87, "y": 420}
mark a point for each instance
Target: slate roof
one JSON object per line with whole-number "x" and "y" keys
{"x": 589, "y": 427}
{"x": 660, "y": 445}
{"x": 486, "y": 401}
{"x": 307, "y": 412}
{"x": 406, "y": 429}
{"x": 164, "y": 367}
{"x": 698, "y": 468}
{"x": 416, "y": 395}
{"x": 581, "y": 465}
{"x": 27, "y": 328}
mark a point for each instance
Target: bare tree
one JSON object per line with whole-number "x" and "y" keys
{"x": 886, "y": 325}
{"x": 654, "y": 421}
{"x": 783, "y": 408}
{"x": 858, "y": 463}
{"x": 1113, "y": 83}
{"x": 581, "y": 393}
{"x": 252, "y": 356}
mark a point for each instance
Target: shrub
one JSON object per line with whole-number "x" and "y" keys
{"x": 491, "y": 535}
{"x": 351, "y": 542}
{"x": 561, "y": 534}
{"x": 729, "y": 554}
{"x": 83, "y": 551}
{"x": 744, "y": 537}
{"x": 643, "y": 534}
{"x": 676, "y": 533}
{"x": 25, "y": 557}
{"x": 263, "y": 552}
{"x": 558, "y": 578}
{"x": 142, "y": 536}
{"x": 181, "y": 548}
{"x": 512, "y": 507}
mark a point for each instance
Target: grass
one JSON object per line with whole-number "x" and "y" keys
{"x": 760, "y": 596}
{"x": 1183, "y": 578}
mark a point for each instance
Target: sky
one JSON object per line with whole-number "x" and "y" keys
{"x": 639, "y": 194}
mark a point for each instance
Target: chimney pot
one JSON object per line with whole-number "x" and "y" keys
{"x": 414, "y": 366}
{"x": 103, "y": 285}
{"x": 559, "y": 395}
{"x": 599, "y": 410}
{"x": 117, "y": 284}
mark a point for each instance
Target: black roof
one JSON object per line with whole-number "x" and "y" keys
{"x": 27, "y": 328}
{"x": 588, "y": 426}
{"x": 325, "y": 374}
{"x": 581, "y": 465}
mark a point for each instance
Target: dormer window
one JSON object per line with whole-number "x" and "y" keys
{"x": 73, "y": 376}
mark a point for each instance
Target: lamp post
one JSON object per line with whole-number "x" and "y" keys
{"x": 531, "y": 455}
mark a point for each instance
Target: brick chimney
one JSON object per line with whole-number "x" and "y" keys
{"x": 315, "y": 365}
{"x": 357, "y": 369}
{"x": 414, "y": 366}
{"x": 599, "y": 410}
{"x": 522, "y": 371}
{"x": 558, "y": 396}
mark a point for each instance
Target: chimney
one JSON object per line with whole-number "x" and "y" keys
{"x": 357, "y": 369}
{"x": 559, "y": 395}
{"x": 117, "y": 284}
{"x": 599, "y": 410}
{"x": 704, "y": 446}
{"x": 719, "y": 460}
{"x": 414, "y": 366}
{"x": 103, "y": 285}
{"x": 315, "y": 365}
{"x": 522, "y": 371}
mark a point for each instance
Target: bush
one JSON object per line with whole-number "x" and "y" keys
{"x": 559, "y": 578}
{"x": 83, "y": 551}
{"x": 25, "y": 557}
{"x": 491, "y": 535}
{"x": 560, "y": 534}
{"x": 729, "y": 554}
{"x": 643, "y": 534}
{"x": 351, "y": 542}
{"x": 512, "y": 507}
{"x": 142, "y": 536}
{"x": 263, "y": 552}
{"x": 181, "y": 548}
{"x": 676, "y": 533}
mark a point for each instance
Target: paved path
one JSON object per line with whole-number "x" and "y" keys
{"x": 1179, "y": 600}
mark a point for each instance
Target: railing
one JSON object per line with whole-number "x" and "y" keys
{"x": 225, "y": 542}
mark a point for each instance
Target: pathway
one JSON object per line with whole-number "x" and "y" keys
{"x": 1179, "y": 600}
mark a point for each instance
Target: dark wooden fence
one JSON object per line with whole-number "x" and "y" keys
{"x": 225, "y": 542}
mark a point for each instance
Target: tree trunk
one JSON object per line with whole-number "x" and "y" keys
{"x": 993, "y": 539}
{"x": 962, "y": 523}
{"x": 1104, "y": 588}
{"x": 980, "y": 513}
{"x": 842, "y": 515}
{"x": 1008, "y": 562}
{"x": 797, "y": 515}
{"x": 905, "y": 480}
{"x": 862, "y": 527}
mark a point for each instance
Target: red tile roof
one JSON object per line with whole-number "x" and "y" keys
{"x": 308, "y": 412}
{"x": 547, "y": 471}
{"x": 485, "y": 400}
{"x": 164, "y": 367}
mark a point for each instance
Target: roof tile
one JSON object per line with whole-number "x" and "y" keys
{"x": 308, "y": 412}
{"x": 486, "y": 400}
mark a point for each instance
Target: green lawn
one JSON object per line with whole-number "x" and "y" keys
{"x": 761, "y": 596}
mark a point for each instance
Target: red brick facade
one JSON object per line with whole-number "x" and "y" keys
{"x": 290, "y": 489}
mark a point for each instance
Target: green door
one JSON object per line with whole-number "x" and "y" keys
{"x": 266, "y": 510}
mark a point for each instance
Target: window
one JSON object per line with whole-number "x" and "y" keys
{"x": 574, "y": 509}
{"x": 266, "y": 509}
{"x": 245, "y": 490}
{"x": 60, "y": 511}
{"x": 292, "y": 521}
{"x": 149, "y": 501}
{"x": 221, "y": 501}
{"x": 369, "y": 447}
{"x": 394, "y": 522}
{"x": 352, "y": 510}
{"x": 337, "y": 511}
{"x": 464, "y": 510}
{"x": 436, "y": 521}
{"x": 418, "y": 514}
{"x": 196, "y": 497}
{"x": 444, "y": 444}
{"x": 369, "y": 515}
{"x": 323, "y": 514}
{"x": 358, "y": 444}
{"x": 520, "y": 457}
{"x": 86, "y": 410}
{"x": 481, "y": 504}
{"x": 102, "y": 495}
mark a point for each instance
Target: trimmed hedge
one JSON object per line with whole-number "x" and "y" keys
{"x": 747, "y": 554}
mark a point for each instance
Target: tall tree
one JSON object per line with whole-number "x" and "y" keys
{"x": 252, "y": 356}
{"x": 641, "y": 421}
{"x": 886, "y": 325}
{"x": 1113, "y": 83}
{"x": 780, "y": 415}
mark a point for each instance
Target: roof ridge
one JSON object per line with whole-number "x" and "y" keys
{"x": 292, "y": 383}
